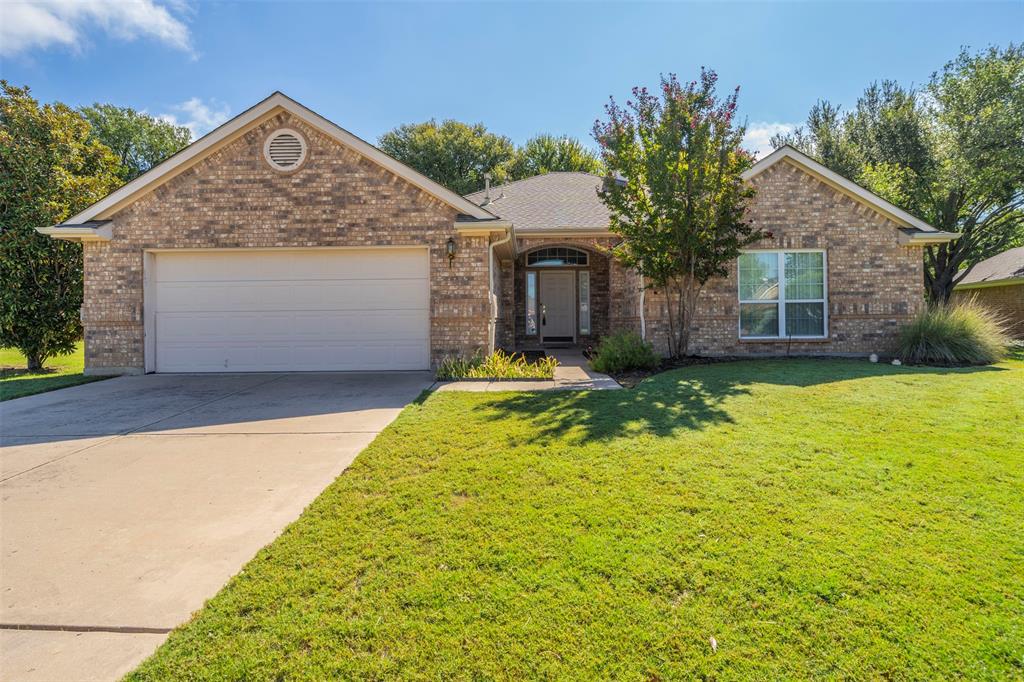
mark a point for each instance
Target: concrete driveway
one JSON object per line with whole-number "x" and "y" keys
{"x": 126, "y": 503}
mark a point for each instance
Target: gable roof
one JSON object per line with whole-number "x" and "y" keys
{"x": 252, "y": 116}
{"x": 1002, "y": 268}
{"x": 852, "y": 189}
{"x": 551, "y": 202}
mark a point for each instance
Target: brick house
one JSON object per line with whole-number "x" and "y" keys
{"x": 998, "y": 283}
{"x": 281, "y": 242}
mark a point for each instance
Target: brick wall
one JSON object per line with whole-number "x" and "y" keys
{"x": 234, "y": 199}
{"x": 1007, "y": 301}
{"x": 875, "y": 285}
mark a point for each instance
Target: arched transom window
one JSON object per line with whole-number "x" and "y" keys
{"x": 556, "y": 255}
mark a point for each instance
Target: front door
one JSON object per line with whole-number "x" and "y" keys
{"x": 558, "y": 306}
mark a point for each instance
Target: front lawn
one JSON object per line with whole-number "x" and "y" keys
{"x": 817, "y": 519}
{"x": 58, "y": 372}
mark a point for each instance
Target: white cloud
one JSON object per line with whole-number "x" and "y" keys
{"x": 198, "y": 116}
{"x": 70, "y": 23}
{"x": 758, "y": 135}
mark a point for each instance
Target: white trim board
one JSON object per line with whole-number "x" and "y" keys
{"x": 78, "y": 233}
{"x": 252, "y": 116}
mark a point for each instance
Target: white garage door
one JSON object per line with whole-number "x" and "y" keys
{"x": 269, "y": 311}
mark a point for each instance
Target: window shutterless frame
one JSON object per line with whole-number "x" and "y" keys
{"x": 557, "y": 256}
{"x": 782, "y": 299}
{"x": 584, "y": 303}
{"x": 532, "y": 320}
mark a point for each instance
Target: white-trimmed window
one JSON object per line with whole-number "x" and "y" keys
{"x": 783, "y": 294}
{"x": 556, "y": 256}
{"x": 584, "y": 302}
{"x": 531, "y": 303}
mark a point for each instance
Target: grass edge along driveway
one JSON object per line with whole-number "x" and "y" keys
{"x": 58, "y": 372}
{"x": 818, "y": 519}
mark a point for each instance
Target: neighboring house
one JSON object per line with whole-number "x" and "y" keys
{"x": 998, "y": 283}
{"x": 282, "y": 242}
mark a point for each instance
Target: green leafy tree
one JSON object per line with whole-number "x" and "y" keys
{"x": 952, "y": 154}
{"x": 139, "y": 140}
{"x": 548, "y": 154}
{"x": 50, "y": 168}
{"x": 452, "y": 153}
{"x": 674, "y": 190}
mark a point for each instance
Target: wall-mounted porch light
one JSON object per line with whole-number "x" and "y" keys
{"x": 450, "y": 250}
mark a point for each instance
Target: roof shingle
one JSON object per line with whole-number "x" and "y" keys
{"x": 1005, "y": 265}
{"x": 553, "y": 201}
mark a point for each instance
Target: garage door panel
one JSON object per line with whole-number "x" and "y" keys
{"x": 291, "y": 357}
{"x": 377, "y": 294}
{"x": 233, "y": 316}
{"x": 352, "y": 326}
{"x": 361, "y": 356}
{"x": 228, "y": 266}
{"x": 368, "y": 325}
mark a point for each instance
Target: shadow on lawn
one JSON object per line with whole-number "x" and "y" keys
{"x": 686, "y": 398}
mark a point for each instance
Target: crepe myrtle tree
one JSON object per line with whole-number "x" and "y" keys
{"x": 674, "y": 190}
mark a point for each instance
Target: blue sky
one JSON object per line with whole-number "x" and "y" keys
{"x": 519, "y": 68}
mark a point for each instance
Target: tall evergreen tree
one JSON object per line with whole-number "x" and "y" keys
{"x": 50, "y": 168}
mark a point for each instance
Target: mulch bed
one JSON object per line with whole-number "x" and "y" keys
{"x": 632, "y": 378}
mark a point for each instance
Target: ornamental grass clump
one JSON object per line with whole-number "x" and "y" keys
{"x": 965, "y": 333}
{"x": 497, "y": 365}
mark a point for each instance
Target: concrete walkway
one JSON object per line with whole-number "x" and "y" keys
{"x": 126, "y": 503}
{"x": 572, "y": 374}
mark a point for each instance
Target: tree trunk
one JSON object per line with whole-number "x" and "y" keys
{"x": 941, "y": 290}
{"x": 35, "y": 362}
{"x": 688, "y": 309}
{"x": 941, "y": 269}
{"x": 671, "y": 335}
{"x": 681, "y": 312}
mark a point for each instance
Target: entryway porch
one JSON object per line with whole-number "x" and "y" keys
{"x": 560, "y": 297}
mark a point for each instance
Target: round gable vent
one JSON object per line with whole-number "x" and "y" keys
{"x": 285, "y": 149}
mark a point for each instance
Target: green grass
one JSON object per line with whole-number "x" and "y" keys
{"x": 58, "y": 372}
{"x": 819, "y": 519}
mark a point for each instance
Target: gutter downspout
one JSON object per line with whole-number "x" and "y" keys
{"x": 490, "y": 281}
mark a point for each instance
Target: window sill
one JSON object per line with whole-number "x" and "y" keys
{"x": 785, "y": 339}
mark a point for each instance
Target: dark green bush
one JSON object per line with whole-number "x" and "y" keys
{"x": 622, "y": 352}
{"x": 958, "y": 334}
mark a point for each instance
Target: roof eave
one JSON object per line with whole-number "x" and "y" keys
{"x": 914, "y": 238}
{"x": 78, "y": 233}
{"x": 565, "y": 232}
{"x": 1006, "y": 281}
{"x": 486, "y": 228}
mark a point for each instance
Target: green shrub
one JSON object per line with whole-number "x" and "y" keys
{"x": 622, "y": 352}
{"x": 962, "y": 334}
{"x": 498, "y": 365}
